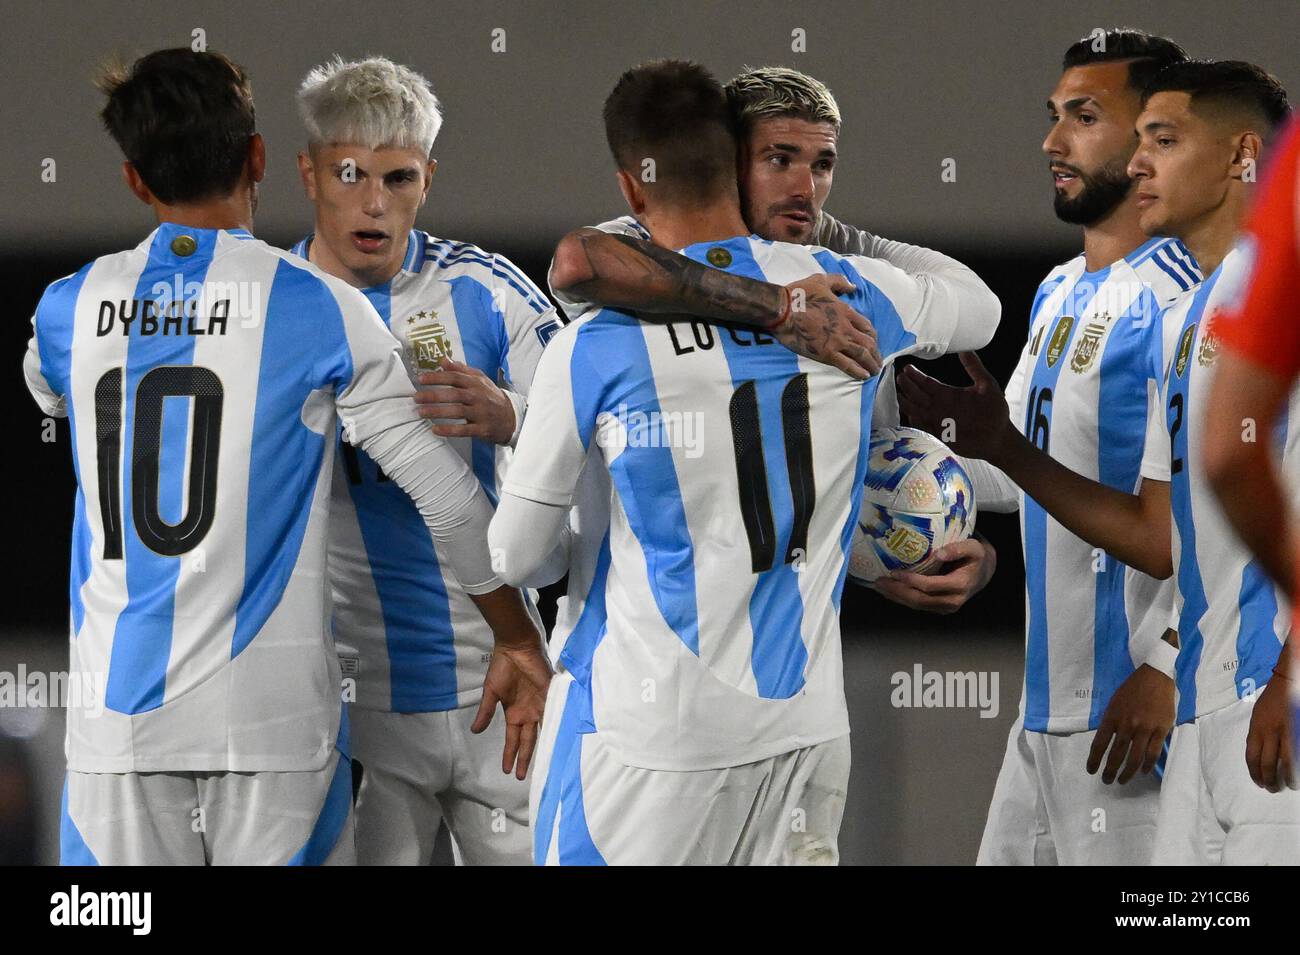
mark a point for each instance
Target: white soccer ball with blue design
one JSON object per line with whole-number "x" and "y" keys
{"x": 916, "y": 497}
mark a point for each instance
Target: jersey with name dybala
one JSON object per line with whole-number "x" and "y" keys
{"x": 407, "y": 633}
{"x": 1083, "y": 392}
{"x": 1231, "y": 619}
{"x": 202, "y": 373}
{"x": 710, "y": 635}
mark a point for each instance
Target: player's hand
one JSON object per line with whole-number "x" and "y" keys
{"x": 1268, "y": 744}
{"x": 975, "y": 418}
{"x": 457, "y": 391}
{"x": 1134, "y": 725}
{"x": 825, "y": 329}
{"x": 968, "y": 566}
{"x": 517, "y": 678}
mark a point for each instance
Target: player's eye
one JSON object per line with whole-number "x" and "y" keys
{"x": 1164, "y": 140}
{"x": 1087, "y": 119}
{"x": 779, "y": 159}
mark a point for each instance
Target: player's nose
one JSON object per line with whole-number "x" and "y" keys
{"x": 374, "y": 199}
{"x": 1139, "y": 167}
{"x": 1054, "y": 142}
{"x": 802, "y": 185}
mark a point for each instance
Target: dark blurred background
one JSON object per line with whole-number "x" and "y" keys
{"x": 521, "y": 160}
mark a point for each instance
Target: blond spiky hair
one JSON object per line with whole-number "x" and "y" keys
{"x": 777, "y": 91}
{"x": 372, "y": 102}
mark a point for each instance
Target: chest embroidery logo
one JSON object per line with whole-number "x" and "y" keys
{"x": 1184, "y": 349}
{"x": 427, "y": 342}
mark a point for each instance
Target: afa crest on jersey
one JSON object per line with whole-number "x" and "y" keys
{"x": 1209, "y": 349}
{"x": 427, "y": 342}
{"x": 916, "y": 498}
{"x": 1085, "y": 352}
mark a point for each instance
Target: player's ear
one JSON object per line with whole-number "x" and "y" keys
{"x": 131, "y": 176}
{"x": 307, "y": 173}
{"x": 1249, "y": 147}
{"x": 256, "y": 157}
{"x": 429, "y": 170}
{"x": 633, "y": 192}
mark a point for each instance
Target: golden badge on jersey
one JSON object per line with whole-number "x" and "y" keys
{"x": 1209, "y": 349}
{"x": 1085, "y": 352}
{"x": 1060, "y": 336}
{"x": 427, "y": 340}
{"x": 718, "y": 257}
{"x": 1184, "y": 349}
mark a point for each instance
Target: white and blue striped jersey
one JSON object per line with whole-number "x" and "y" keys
{"x": 201, "y": 373}
{"x": 1231, "y": 619}
{"x": 1083, "y": 392}
{"x": 709, "y": 635}
{"x": 407, "y": 633}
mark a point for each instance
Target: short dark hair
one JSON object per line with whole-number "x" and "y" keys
{"x": 674, "y": 112}
{"x": 1147, "y": 54}
{"x": 183, "y": 118}
{"x": 1241, "y": 88}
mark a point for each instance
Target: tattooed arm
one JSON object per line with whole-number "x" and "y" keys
{"x": 626, "y": 272}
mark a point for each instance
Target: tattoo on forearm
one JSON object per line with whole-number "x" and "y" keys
{"x": 631, "y": 272}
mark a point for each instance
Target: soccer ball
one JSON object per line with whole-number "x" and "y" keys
{"x": 916, "y": 497}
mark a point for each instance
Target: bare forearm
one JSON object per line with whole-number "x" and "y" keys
{"x": 621, "y": 271}
{"x": 506, "y": 614}
{"x": 1114, "y": 520}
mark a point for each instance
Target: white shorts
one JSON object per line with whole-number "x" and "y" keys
{"x": 302, "y": 818}
{"x": 419, "y": 770}
{"x": 1047, "y": 809}
{"x": 1211, "y": 811}
{"x": 590, "y": 808}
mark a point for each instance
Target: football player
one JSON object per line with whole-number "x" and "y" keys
{"x": 471, "y": 327}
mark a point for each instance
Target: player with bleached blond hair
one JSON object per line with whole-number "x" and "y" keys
{"x": 471, "y": 327}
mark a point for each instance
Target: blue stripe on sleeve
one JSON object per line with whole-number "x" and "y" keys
{"x": 1168, "y": 270}
{"x": 55, "y": 316}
